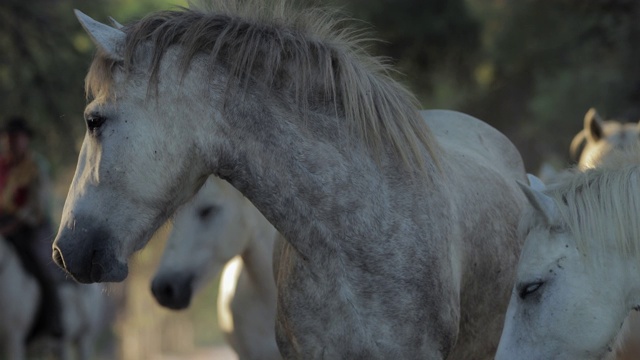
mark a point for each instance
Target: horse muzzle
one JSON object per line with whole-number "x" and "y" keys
{"x": 89, "y": 258}
{"x": 173, "y": 290}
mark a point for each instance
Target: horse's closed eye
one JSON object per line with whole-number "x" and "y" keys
{"x": 529, "y": 288}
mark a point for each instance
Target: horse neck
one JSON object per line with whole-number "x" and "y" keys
{"x": 307, "y": 174}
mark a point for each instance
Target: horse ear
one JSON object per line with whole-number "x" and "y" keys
{"x": 115, "y": 23}
{"x": 535, "y": 183}
{"x": 541, "y": 202}
{"x": 108, "y": 39}
{"x": 577, "y": 145}
{"x": 593, "y": 124}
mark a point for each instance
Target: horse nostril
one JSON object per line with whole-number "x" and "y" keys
{"x": 172, "y": 292}
{"x": 163, "y": 290}
{"x": 57, "y": 257}
{"x": 168, "y": 291}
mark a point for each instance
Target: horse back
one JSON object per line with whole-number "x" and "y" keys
{"x": 460, "y": 133}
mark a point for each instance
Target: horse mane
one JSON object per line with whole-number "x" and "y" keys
{"x": 309, "y": 55}
{"x": 600, "y": 205}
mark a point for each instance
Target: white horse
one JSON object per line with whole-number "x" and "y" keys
{"x": 592, "y": 145}
{"x": 220, "y": 226}
{"x": 400, "y": 226}
{"x": 81, "y": 318}
{"x": 19, "y": 294}
{"x": 579, "y": 273}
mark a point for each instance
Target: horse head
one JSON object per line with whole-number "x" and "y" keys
{"x": 572, "y": 287}
{"x": 137, "y": 163}
{"x": 207, "y": 232}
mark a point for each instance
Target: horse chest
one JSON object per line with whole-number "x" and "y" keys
{"x": 371, "y": 311}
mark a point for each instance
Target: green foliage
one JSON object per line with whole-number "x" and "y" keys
{"x": 531, "y": 67}
{"x": 34, "y": 72}
{"x": 45, "y": 55}
{"x": 433, "y": 43}
{"x": 552, "y": 60}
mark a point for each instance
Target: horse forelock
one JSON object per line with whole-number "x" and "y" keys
{"x": 99, "y": 80}
{"x": 600, "y": 206}
{"x": 308, "y": 55}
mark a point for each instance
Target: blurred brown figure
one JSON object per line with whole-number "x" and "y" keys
{"x": 23, "y": 213}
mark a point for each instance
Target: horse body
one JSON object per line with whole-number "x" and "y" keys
{"x": 17, "y": 313}
{"x": 577, "y": 279}
{"x": 247, "y": 315}
{"x": 217, "y": 227}
{"x": 478, "y": 154}
{"x": 390, "y": 238}
{"x": 81, "y": 317}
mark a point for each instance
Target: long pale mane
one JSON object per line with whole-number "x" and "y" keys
{"x": 307, "y": 55}
{"x": 601, "y": 206}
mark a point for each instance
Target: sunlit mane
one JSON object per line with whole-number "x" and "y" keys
{"x": 601, "y": 206}
{"x": 307, "y": 56}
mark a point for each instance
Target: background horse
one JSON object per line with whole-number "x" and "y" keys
{"x": 578, "y": 273}
{"x": 591, "y": 147}
{"x": 593, "y": 144}
{"x": 400, "y": 226}
{"x": 82, "y": 317}
{"x": 220, "y": 226}
{"x": 19, "y": 294}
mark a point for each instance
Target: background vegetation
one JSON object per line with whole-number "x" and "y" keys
{"x": 530, "y": 68}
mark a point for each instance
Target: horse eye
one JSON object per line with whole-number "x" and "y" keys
{"x": 94, "y": 121}
{"x": 207, "y": 211}
{"x": 529, "y": 288}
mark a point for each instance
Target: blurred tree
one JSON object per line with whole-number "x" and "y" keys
{"x": 44, "y": 57}
{"x": 432, "y": 42}
{"x": 38, "y": 76}
{"x": 551, "y": 61}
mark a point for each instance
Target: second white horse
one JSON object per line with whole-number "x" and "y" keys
{"x": 220, "y": 226}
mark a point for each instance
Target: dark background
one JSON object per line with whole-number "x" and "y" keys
{"x": 530, "y": 68}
